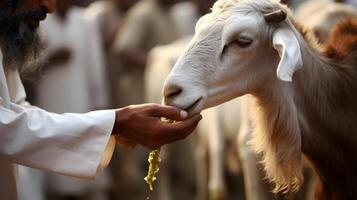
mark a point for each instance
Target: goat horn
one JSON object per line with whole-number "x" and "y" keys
{"x": 275, "y": 16}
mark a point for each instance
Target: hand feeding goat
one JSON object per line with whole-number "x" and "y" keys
{"x": 305, "y": 96}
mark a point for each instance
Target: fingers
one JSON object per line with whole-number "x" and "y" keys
{"x": 168, "y": 133}
{"x": 169, "y": 112}
{"x": 179, "y": 130}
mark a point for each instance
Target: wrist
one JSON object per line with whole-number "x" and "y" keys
{"x": 120, "y": 115}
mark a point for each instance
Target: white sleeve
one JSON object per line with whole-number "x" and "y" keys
{"x": 69, "y": 144}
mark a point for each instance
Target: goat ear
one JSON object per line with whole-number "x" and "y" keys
{"x": 287, "y": 45}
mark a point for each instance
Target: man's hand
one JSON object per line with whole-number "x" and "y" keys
{"x": 141, "y": 124}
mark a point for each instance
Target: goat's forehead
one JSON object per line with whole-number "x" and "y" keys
{"x": 224, "y": 8}
{"x": 212, "y": 23}
{"x": 224, "y": 11}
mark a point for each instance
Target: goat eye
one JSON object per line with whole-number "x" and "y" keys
{"x": 243, "y": 42}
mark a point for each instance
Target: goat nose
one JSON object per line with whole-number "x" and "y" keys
{"x": 172, "y": 91}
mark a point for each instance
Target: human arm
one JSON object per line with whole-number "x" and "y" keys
{"x": 77, "y": 144}
{"x": 73, "y": 144}
{"x": 70, "y": 144}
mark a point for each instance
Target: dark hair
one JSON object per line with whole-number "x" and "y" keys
{"x": 20, "y": 44}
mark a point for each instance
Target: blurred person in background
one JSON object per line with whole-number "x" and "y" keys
{"x": 72, "y": 72}
{"x": 73, "y": 63}
{"x": 186, "y": 14}
{"x": 147, "y": 24}
{"x": 78, "y": 145}
{"x": 109, "y": 14}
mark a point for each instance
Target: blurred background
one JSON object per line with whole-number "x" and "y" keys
{"x": 113, "y": 53}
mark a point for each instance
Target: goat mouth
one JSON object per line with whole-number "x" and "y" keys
{"x": 191, "y": 108}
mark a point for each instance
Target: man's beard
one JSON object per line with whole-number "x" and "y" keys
{"x": 20, "y": 44}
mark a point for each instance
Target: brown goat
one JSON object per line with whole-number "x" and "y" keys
{"x": 330, "y": 142}
{"x": 326, "y": 109}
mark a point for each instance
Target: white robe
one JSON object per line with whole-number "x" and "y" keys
{"x": 77, "y": 145}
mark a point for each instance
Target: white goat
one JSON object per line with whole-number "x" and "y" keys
{"x": 247, "y": 46}
{"x": 219, "y": 124}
